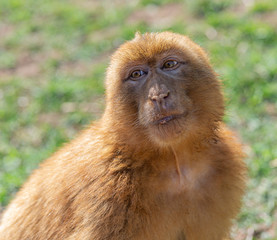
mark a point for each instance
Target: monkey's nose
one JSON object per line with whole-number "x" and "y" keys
{"x": 159, "y": 100}
{"x": 159, "y": 97}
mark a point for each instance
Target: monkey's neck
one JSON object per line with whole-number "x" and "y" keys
{"x": 177, "y": 163}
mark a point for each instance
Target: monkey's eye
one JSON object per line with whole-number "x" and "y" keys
{"x": 170, "y": 64}
{"x": 137, "y": 74}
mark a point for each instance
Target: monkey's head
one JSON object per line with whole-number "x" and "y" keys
{"x": 162, "y": 85}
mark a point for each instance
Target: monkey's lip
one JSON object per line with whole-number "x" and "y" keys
{"x": 167, "y": 119}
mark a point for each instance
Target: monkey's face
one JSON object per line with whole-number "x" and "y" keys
{"x": 164, "y": 86}
{"x": 161, "y": 97}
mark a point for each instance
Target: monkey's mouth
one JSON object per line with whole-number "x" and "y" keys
{"x": 167, "y": 128}
{"x": 165, "y": 120}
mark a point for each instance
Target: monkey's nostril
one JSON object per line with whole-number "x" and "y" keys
{"x": 163, "y": 95}
{"x": 160, "y": 96}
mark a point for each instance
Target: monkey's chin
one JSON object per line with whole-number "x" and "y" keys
{"x": 167, "y": 131}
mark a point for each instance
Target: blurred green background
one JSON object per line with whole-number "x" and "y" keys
{"x": 53, "y": 56}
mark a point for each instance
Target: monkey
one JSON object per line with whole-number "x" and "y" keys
{"x": 160, "y": 164}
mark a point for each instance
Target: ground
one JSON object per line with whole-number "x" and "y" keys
{"x": 53, "y": 56}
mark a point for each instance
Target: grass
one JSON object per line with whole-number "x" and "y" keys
{"x": 53, "y": 56}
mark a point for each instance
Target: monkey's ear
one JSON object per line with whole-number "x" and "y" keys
{"x": 138, "y": 34}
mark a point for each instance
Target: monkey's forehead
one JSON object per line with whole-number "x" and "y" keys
{"x": 150, "y": 45}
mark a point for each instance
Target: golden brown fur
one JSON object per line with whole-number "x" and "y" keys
{"x": 159, "y": 164}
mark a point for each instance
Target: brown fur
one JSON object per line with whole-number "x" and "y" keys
{"x": 132, "y": 176}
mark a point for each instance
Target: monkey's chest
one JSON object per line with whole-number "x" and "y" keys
{"x": 185, "y": 180}
{"x": 179, "y": 197}
{"x": 187, "y": 191}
